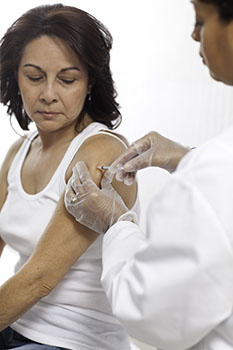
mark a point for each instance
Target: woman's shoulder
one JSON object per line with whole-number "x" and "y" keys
{"x": 10, "y": 155}
{"x": 13, "y": 150}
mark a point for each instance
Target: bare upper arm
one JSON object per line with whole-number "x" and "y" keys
{"x": 103, "y": 149}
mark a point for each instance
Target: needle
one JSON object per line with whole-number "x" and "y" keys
{"x": 106, "y": 167}
{"x": 103, "y": 167}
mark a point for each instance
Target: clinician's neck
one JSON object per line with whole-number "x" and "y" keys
{"x": 229, "y": 53}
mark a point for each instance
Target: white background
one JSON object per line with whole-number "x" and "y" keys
{"x": 162, "y": 84}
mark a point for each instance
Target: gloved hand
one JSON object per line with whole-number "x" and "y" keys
{"x": 96, "y": 208}
{"x": 151, "y": 150}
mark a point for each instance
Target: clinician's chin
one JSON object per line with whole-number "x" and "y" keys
{"x": 215, "y": 77}
{"x": 224, "y": 80}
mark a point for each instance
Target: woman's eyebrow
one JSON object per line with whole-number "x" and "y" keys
{"x": 33, "y": 65}
{"x": 69, "y": 68}
{"x": 61, "y": 71}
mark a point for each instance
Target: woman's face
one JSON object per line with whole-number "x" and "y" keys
{"x": 53, "y": 83}
{"x": 216, "y": 41}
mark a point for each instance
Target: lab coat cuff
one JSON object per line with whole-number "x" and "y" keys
{"x": 129, "y": 216}
{"x": 122, "y": 233}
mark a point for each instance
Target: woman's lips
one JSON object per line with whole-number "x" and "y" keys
{"x": 48, "y": 114}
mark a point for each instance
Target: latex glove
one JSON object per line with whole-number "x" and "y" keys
{"x": 151, "y": 150}
{"x": 96, "y": 208}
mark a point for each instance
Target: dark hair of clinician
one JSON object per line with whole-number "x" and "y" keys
{"x": 224, "y": 7}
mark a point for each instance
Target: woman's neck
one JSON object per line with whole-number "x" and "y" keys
{"x": 62, "y": 136}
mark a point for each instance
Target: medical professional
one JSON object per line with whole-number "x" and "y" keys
{"x": 173, "y": 286}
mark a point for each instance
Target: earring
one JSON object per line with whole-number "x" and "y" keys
{"x": 89, "y": 97}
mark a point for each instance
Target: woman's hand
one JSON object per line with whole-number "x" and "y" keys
{"x": 151, "y": 150}
{"x": 96, "y": 208}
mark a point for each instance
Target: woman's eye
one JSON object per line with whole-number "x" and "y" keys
{"x": 34, "y": 78}
{"x": 67, "y": 81}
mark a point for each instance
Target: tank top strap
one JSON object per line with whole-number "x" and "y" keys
{"x": 109, "y": 133}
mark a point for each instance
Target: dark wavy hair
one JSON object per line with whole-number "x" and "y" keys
{"x": 85, "y": 35}
{"x": 224, "y": 7}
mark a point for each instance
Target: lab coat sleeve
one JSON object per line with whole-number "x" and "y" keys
{"x": 172, "y": 288}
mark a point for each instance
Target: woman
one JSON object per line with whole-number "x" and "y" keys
{"x": 175, "y": 291}
{"x": 55, "y": 73}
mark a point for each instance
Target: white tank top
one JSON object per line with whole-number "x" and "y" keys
{"x": 76, "y": 314}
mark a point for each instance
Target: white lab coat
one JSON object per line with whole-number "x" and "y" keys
{"x": 173, "y": 287}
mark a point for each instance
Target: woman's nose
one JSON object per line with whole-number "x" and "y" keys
{"x": 48, "y": 93}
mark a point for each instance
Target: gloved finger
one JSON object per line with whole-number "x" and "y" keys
{"x": 80, "y": 170}
{"x": 69, "y": 195}
{"x": 69, "y": 185}
{"x": 107, "y": 179}
{"x": 140, "y": 162}
{"x": 137, "y": 147}
{"x": 77, "y": 200}
{"x": 128, "y": 154}
{"x": 121, "y": 175}
{"x": 72, "y": 198}
{"x": 80, "y": 180}
{"x": 129, "y": 179}
{"x": 84, "y": 183}
{"x": 142, "y": 144}
{"x": 74, "y": 182}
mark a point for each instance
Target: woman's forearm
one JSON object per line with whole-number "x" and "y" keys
{"x": 17, "y": 295}
{"x": 63, "y": 242}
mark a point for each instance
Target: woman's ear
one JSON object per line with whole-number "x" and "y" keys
{"x": 91, "y": 82}
{"x": 89, "y": 90}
